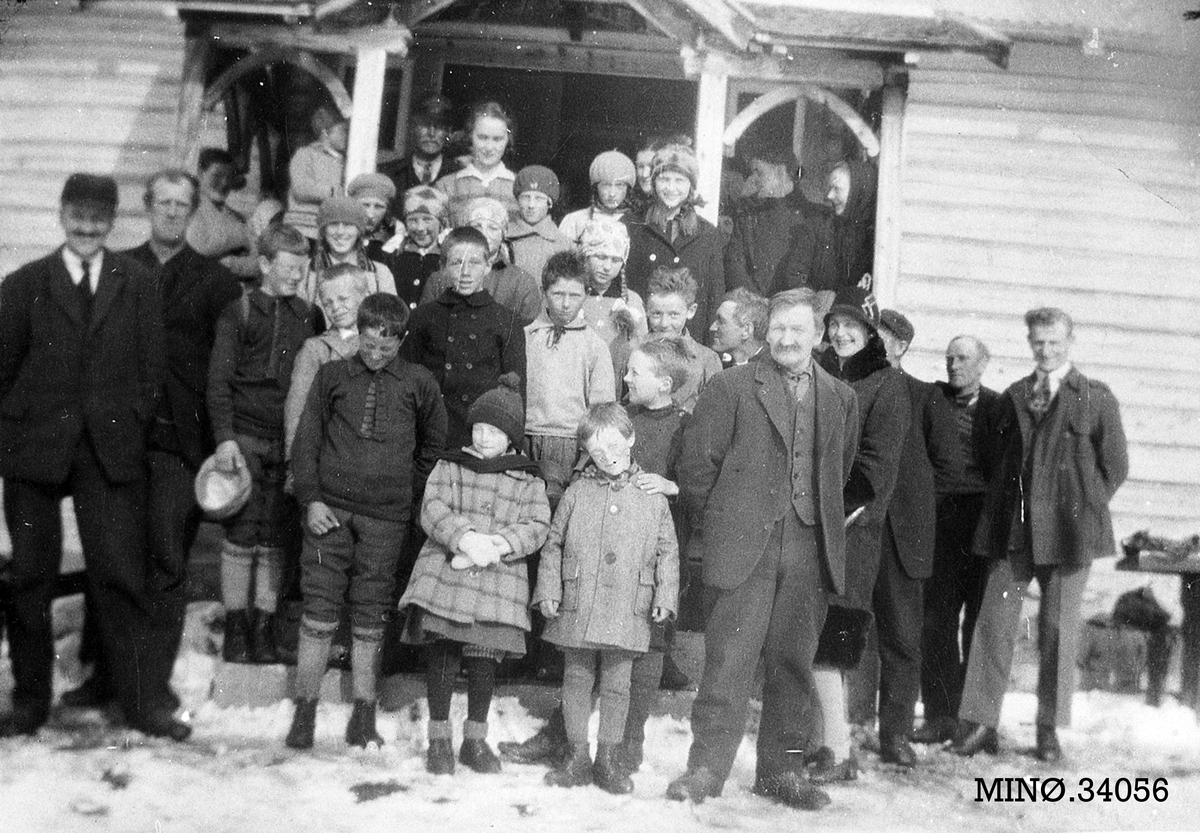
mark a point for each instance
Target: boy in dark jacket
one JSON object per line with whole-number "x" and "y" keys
{"x": 257, "y": 339}
{"x": 370, "y": 434}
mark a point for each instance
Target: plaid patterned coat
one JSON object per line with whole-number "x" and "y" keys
{"x": 457, "y": 500}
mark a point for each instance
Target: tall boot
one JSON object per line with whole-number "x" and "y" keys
{"x": 439, "y": 760}
{"x": 360, "y": 731}
{"x": 304, "y": 724}
{"x": 608, "y": 773}
{"x": 575, "y": 771}
{"x": 237, "y": 637}
{"x": 262, "y": 638}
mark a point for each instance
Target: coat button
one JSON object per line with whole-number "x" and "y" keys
{"x": 449, "y": 366}
{"x": 468, "y": 365}
{"x": 610, "y": 558}
{"x": 471, "y": 336}
{"x": 676, "y": 260}
{"x": 450, "y": 339}
{"x": 465, "y": 398}
{"x": 653, "y": 256}
{"x": 612, "y": 510}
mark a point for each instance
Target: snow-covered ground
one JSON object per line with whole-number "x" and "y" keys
{"x": 236, "y": 775}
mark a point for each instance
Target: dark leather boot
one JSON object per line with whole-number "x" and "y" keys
{"x": 1048, "y": 751}
{"x": 237, "y": 637}
{"x": 976, "y": 738}
{"x": 576, "y": 771}
{"x": 477, "y": 755}
{"x": 304, "y": 724}
{"x": 935, "y": 730}
{"x": 548, "y": 746}
{"x": 262, "y": 638}
{"x": 360, "y": 731}
{"x": 439, "y": 760}
{"x": 895, "y": 749}
{"x": 608, "y": 773}
{"x": 630, "y": 755}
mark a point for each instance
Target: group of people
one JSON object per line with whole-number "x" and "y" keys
{"x": 432, "y": 405}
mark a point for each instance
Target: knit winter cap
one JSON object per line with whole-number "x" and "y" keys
{"x": 92, "y": 189}
{"x": 857, "y": 303}
{"x": 900, "y": 326}
{"x": 481, "y": 208}
{"x": 502, "y": 407}
{"x": 341, "y": 210}
{"x": 604, "y": 236}
{"x": 324, "y": 118}
{"x": 678, "y": 158}
{"x": 613, "y": 166}
{"x": 536, "y": 178}
{"x": 372, "y": 185}
{"x": 424, "y": 199}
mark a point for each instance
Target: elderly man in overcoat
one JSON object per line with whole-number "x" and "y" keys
{"x": 1046, "y": 516}
{"x": 765, "y": 458}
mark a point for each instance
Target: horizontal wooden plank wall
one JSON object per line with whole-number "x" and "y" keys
{"x": 1066, "y": 180}
{"x": 94, "y": 90}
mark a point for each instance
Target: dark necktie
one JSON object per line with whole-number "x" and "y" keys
{"x": 1039, "y": 400}
{"x": 370, "y": 407}
{"x": 84, "y": 289}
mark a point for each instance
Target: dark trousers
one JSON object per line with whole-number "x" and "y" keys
{"x": 889, "y": 676}
{"x": 777, "y": 612}
{"x": 112, "y": 524}
{"x": 954, "y": 590}
{"x": 353, "y": 564}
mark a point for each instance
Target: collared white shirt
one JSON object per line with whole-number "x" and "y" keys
{"x": 430, "y": 169}
{"x": 501, "y": 171}
{"x": 74, "y": 264}
{"x": 1054, "y": 378}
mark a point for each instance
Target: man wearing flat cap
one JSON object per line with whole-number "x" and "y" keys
{"x": 431, "y": 125}
{"x": 81, "y": 364}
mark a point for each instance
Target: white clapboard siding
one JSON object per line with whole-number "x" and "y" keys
{"x": 93, "y": 90}
{"x": 1070, "y": 181}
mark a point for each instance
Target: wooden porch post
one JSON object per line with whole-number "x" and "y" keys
{"x": 191, "y": 100}
{"x": 888, "y": 202}
{"x": 710, "y": 132}
{"x": 364, "y": 120}
{"x": 404, "y": 106}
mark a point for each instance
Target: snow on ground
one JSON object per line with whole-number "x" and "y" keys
{"x": 235, "y": 774}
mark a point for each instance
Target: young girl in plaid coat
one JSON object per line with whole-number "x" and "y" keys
{"x": 485, "y": 511}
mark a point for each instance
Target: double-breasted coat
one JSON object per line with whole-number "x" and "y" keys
{"x": 610, "y": 558}
{"x": 702, "y": 253}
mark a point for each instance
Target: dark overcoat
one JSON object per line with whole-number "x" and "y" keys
{"x": 702, "y": 253}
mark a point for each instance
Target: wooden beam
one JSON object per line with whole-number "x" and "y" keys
{"x": 412, "y": 12}
{"x": 811, "y": 66}
{"x": 783, "y": 95}
{"x": 364, "y": 120}
{"x": 710, "y": 128}
{"x": 888, "y": 196}
{"x": 544, "y": 34}
{"x": 663, "y": 16}
{"x": 279, "y": 54}
{"x": 727, "y": 19}
{"x": 566, "y": 57}
{"x": 191, "y": 101}
{"x": 391, "y": 37}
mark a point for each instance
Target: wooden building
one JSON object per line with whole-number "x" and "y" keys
{"x": 1032, "y": 152}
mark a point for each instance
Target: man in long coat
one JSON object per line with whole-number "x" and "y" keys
{"x": 1046, "y": 516}
{"x": 765, "y": 458}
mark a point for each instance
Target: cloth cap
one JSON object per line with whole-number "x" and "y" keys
{"x": 426, "y": 200}
{"x": 324, "y": 118}
{"x": 536, "y": 178}
{"x": 900, "y": 326}
{"x": 341, "y": 210}
{"x": 678, "y": 158}
{"x": 436, "y": 111}
{"x": 858, "y": 303}
{"x": 502, "y": 407}
{"x": 372, "y": 185}
{"x": 604, "y": 236}
{"x": 612, "y": 166}
{"x": 94, "y": 189}
{"x": 220, "y": 494}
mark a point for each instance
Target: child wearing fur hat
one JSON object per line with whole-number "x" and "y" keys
{"x": 611, "y": 308}
{"x": 672, "y": 234}
{"x": 369, "y": 436}
{"x": 610, "y": 567}
{"x": 340, "y": 227}
{"x": 613, "y": 177}
{"x": 485, "y": 511}
{"x": 316, "y": 171}
{"x": 415, "y": 248}
{"x": 532, "y": 236}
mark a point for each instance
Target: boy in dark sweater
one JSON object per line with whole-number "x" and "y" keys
{"x": 254, "y": 348}
{"x": 370, "y": 434}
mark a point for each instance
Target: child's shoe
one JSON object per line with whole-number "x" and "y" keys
{"x": 608, "y": 773}
{"x": 262, "y": 637}
{"x": 475, "y": 753}
{"x": 439, "y": 760}
{"x": 237, "y": 637}
{"x": 360, "y": 731}
{"x": 575, "y": 771}
{"x": 304, "y": 724}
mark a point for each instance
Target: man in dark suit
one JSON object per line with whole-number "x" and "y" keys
{"x": 765, "y": 458}
{"x": 431, "y": 125}
{"x": 1046, "y": 516}
{"x": 81, "y": 363}
{"x": 955, "y": 588}
{"x": 889, "y": 677}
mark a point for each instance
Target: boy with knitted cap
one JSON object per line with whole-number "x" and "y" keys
{"x": 485, "y": 511}
{"x": 370, "y": 434}
{"x": 375, "y": 193}
{"x": 533, "y": 236}
{"x": 612, "y": 175}
{"x": 415, "y": 248}
{"x": 340, "y": 224}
